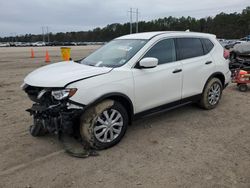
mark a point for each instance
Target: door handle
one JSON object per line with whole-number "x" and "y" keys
{"x": 177, "y": 70}
{"x": 208, "y": 62}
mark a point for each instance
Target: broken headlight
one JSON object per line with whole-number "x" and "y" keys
{"x": 64, "y": 93}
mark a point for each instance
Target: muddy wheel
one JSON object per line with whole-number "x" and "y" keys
{"x": 211, "y": 94}
{"x": 37, "y": 128}
{"x": 242, "y": 87}
{"x": 103, "y": 125}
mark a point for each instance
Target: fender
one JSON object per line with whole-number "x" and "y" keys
{"x": 126, "y": 102}
{"x": 219, "y": 75}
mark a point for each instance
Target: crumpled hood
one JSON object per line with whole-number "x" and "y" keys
{"x": 62, "y": 73}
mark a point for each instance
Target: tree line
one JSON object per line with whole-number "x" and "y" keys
{"x": 229, "y": 26}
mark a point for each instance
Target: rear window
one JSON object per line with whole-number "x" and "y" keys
{"x": 189, "y": 47}
{"x": 208, "y": 45}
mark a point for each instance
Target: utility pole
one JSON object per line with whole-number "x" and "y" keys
{"x": 48, "y": 33}
{"x": 131, "y": 20}
{"x": 12, "y": 37}
{"x": 131, "y": 12}
{"x": 43, "y": 33}
{"x": 15, "y": 37}
{"x": 137, "y": 20}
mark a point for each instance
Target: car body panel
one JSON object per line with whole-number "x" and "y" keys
{"x": 119, "y": 80}
{"x": 157, "y": 86}
{"x": 193, "y": 68}
{"x": 60, "y": 74}
{"x": 222, "y": 64}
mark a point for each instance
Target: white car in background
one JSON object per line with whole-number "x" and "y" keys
{"x": 130, "y": 77}
{"x": 38, "y": 43}
{"x": 4, "y": 44}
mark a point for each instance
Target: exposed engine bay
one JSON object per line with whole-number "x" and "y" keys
{"x": 54, "y": 113}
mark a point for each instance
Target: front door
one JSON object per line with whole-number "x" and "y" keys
{"x": 160, "y": 85}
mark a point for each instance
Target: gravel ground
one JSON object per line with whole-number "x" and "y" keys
{"x": 185, "y": 147}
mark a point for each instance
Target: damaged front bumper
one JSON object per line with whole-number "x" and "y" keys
{"x": 63, "y": 120}
{"x": 57, "y": 118}
{"x": 60, "y": 117}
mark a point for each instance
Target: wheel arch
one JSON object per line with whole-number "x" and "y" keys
{"x": 218, "y": 75}
{"x": 119, "y": 97}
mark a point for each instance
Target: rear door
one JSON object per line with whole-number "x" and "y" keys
{"x": 197, "y": 65}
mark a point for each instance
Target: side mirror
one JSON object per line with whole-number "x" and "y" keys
{"x": 148, "y": 62}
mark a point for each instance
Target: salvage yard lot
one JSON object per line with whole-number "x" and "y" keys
{"x": 185, "y": 147}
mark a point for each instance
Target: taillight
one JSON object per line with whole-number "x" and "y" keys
{"x": 226, "y": 54}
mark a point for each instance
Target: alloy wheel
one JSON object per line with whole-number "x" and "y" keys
{"x": 108, "y": 125}
{"x": 214, "y": 94}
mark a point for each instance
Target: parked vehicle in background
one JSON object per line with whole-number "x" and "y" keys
{"x": 81, "y": 44}
{"x": 39, "y": 43}
{"x": 223, "y": 42}
{"x": 231, "y": 44}
{"x": 69, "y": 43}
{"x": 6, "y": 44}
{"x": 240, "y": 56}
{"x": 54, "y": 43}
{"x": 245, "y": 39}
{"x": 18, "y": 44}
{"x": 21, "y": 44}
{"x": 130, "y": 77}
{"x": 28, "y": 44}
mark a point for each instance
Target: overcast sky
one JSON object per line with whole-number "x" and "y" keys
{"x": 28, "y": 16}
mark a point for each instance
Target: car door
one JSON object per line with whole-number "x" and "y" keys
{"x": 160, "y": 85}
{"x": 197, "y": 64}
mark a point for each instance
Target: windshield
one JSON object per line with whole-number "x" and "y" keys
{"x": 114, "y": 54}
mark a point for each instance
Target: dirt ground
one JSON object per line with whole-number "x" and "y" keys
{"x": 185, "y": 147}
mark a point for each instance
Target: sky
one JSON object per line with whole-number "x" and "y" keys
{"x": 19, "y": 17}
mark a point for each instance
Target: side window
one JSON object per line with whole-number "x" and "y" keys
{"x": 189, "y": 47}
{"x": 208, "y": 45}
{"x": 164, "y": 51}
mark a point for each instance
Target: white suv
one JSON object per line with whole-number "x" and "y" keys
{"x": 131, "y": 76}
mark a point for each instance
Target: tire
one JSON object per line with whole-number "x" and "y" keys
{"x": 242, "y": 87}
{"x": 210, "y": 98}
{"x": 37, "y": 129}
{"x": 98, "y": 127}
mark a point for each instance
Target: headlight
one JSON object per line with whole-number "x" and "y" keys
{"x": 64, "y": 93}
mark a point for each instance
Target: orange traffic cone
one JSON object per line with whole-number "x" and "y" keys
{"x": 47, "y": 58}
{"x": 32, "y": 53}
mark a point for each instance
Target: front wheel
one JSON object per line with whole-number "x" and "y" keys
{"x": 211, "y": 94}
{"x": 103, "y": 125}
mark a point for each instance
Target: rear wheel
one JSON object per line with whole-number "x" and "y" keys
{"x": 104, "y": 125}
{"x": 211, "y": 94}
